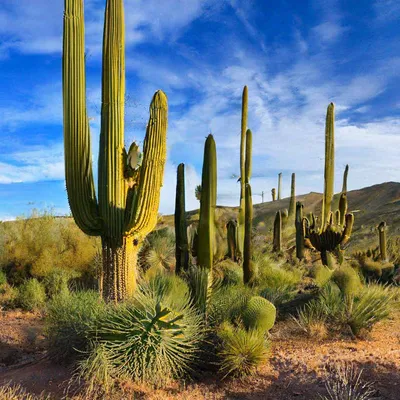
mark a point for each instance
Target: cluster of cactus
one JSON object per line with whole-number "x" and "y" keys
{"x": 181, "y": 234}
{"x": 335, "y": 229}
{"x": 128, "y": 183}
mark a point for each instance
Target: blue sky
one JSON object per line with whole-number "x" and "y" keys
{"x": 295, "y": 56}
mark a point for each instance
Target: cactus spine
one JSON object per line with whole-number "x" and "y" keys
{"x": 382, "y": 240}
{"x": 279, "y": 185}
{"x": 127, "y": 209}
{"x": 299, "y": 231}
{"x": 181, "y": 237}
{"x": 329, "y": 165}
{"x": 208, "y": 202}
{"x": 273, "y": 194}
{"x": 248, "y": 267}
{"x": 292, "y": 205}
{"x": 277, "y": 241}
{"x": 241, "y": 219}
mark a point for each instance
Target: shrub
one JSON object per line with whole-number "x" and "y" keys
{"x": 8, "y": 296}
{"x": 3, "y": 278}
{"x": 259, "y": 314}
{"x": 344, "y": 382}
{"x": 68, "y": 320}
{"x": 241, "y": 351}
{"x": 56, "y": 283}
{"x": 16, "y": 392}
{"x": 32, "y": 295}
{"x": 151, "y": 339}
{"x": 232, "y": 273}
{"x": 278, "y": 295}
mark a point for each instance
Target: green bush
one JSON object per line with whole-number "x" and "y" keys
{"x": 56, "y": 283}
{"x": 31, "y": 295}
{"x": 278, "y": 294}
{"x": 8, "y": 296}
{"x": 259, "y": 314}
{"x": 241, "y": 351}
{"x": 68, "y": 320}
{"x": 232, "y": 273}
{"x": 3, "y": 278}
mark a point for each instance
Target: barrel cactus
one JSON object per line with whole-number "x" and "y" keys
{"x": 348, "y": 281}
{"x": 128, "y": 183}
{"x": 259, "y": 314}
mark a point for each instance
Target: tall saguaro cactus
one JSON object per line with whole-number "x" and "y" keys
{"x": 208, "y": 202}
{"x": 292, "y": 204}
{"x": 129, "y": 193}
{"x": 279, "y": 185}
{"x": 242, "y": 211}
{"x": 382, "y": 240}
{"x": 329, "y": 172}
{"x": 181, "y": 237}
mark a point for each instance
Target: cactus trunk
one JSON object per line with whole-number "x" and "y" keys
{"x": 329, "y": 165}
{"x": 241, "y": 219}
{"x": 299, "y": 231}
{"x": 248, "y": 266}
{"x": 208, "y": 201}
{"x": 127, "y": 207}
{"x": 231, "y": 235}
{"x": 382, "y": 241}
{"x": 292, "y": 205}
{"x": 277, "y": 241}
{"x": 181, "y": 238}
{"x": 273, "y": 194}
{"x": 279, "y": 185}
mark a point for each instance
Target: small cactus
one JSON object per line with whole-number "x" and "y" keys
{"x": 273, "y": 194}
{"x": 259, "y": 314}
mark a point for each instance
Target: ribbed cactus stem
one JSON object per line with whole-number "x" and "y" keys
{"x": 277, "y": 240}
{"x": 181, "y": 238}
{"x": 299, "y": 231}
{"x": 279, "y": 185}
{"x": 345, "y": 174}
{"x": 382, "y": 240}
{"x": 206, "y": 230}
{"x": 343, "y": 208}
{"x": 241, "y": 219}
{"x": 231, "y": 234}
{"x": 128, "y": 203}
{"x": 248, "y": 265}
{"x": 248, "y": 160}
{"x": 292, "y": 204}
{"x": 329, "y": 164}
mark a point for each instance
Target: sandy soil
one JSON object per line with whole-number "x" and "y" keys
{"x": 296, "y": 369}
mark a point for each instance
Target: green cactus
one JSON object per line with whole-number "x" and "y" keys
{"x": 348, "y": 281}
{"x": 285, "y": 217}
{"x": 127, "y": 208}
{"x": 277, "y": 241}
{"x": 259, "y": 314}
{"x": 248, "y": 266}
{"x": 197, "y": 192}
{"x": 299, "y": 224}
{"x": 193, "y": 237}
{"x": 292, "y": 205}
{"x": 208, "y": 202}
{"x": 329, "y": 164}
{"x": 241, "y": 219}
{"x": 273, "y": 194}
{"x": 279, "y": 185}
{"x": 181, "y": 238}
{"x": 232, "y": 229}
{"x": 382, "y": 241}
{"x": 346, "y": 172}
{"x": 342, "y": 208}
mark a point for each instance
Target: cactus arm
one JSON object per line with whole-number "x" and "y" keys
{"x": 77, "y": 149}
{"x": 144, "y": 208}
{"x": 329, "y": 164}
{"x": 279, "y": 185}
{"x": 248, "y": 161}
{"x": 112, "y": 185}
{"x": 349, "y": 222}
{"x": 342, "y": 208}
{"x": 248, "y": 266}
{"x": 345, "y": 174}
{"x": 206, "y": 238}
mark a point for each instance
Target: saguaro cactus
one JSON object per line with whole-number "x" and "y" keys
{"x": 345, "y": 174}
{"x": 292, "y": 204}
{"x": 181, "y": 237}
{"x": 129, "y": 194}
{"x": 273, "y": 194}
{"x": 241, "y": 219}
{"x": 299, "y": 231}
{"x": 231, "y": 230}
{"x": 277, "y": 241}
{"x": 382, "y": 240}
{"x": 208, "y": 202}
{"x": 279, "y": 185}
{"x": 329, "y": 172}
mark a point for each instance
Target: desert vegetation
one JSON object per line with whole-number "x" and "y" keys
{"x": 131, "y": 302}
